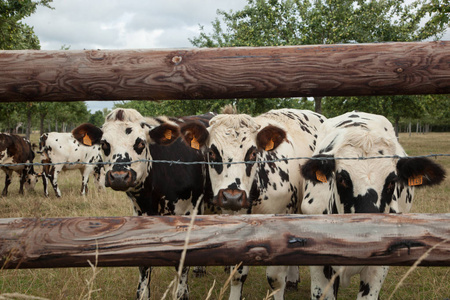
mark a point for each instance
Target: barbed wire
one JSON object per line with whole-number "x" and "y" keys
{"x": 178, "y": 162}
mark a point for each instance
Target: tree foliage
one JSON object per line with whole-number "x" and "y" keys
{"x": 301, "y": 22}
{"x": 15, "y": 35}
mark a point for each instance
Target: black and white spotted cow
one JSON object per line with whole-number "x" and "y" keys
{"x": 261, "y": 188}
{"x": 15, "y": 149}
{"x": 61, "y": 148}
{"x": 383, "y": 185}
{"x": 154, "y": 188}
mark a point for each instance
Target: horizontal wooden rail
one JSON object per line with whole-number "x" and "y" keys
{"x": 365, "y": 239}
{"x": 220, "y": 73}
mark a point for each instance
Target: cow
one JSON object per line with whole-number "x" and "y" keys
{"x": 61, "y": 149}
{"x": 258, "y": 187}
{"x": 153, "y": 188}
{"x": 355, "y": 185}
{"x": 15, "y": 149}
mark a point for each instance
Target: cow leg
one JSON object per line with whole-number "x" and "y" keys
{"x": 45, "y": 183}
{"x": 183, "y": 288}
{"x": 8, "y": 177}
{"x": 199, "y": 271}
{"x": 276, "y": 276}
{"x": 54, "y": 172}
{"x": 320, "y": 277}
{"x": 237, "y": 282}
{"x": 293, "y": 278}
{"x": 143, "y": 289}
{"x": 372, "y": 279}
{"x": 85, "y": 180}
{"x": 23, "y": 178}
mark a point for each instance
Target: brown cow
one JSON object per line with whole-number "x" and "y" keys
{"x": 14, "y": 150}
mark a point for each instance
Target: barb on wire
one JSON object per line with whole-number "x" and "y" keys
{"x": 178, "y": 162}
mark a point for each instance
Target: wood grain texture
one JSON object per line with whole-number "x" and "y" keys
{"x": 375, "y": 239}
{"x": 220, "y": 73}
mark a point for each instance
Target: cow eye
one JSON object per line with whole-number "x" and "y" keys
{"x": 252, "y": 155}
{"x": 106, "y": 147}
{"x": 341, "y": 181}
{"x": 211, "y": 155}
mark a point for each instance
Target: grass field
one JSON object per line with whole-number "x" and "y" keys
{"x": 120, "y": 283}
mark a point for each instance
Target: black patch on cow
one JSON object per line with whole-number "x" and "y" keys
{"x": 229, "y": 165}
{"x": 214, "y": 156}
{"x": 328, "y": 271}
{"x": 106, "y": 147}
{"x": 357, "y": 124}
{"x": 381, "y": 152}
{"x": 238, "y": 181}
{"x": 233, "y": 186}
{"x": 353, "y": 116}
{"x": 125, "y": 158}
{"x": 344, "y": 123}
{"x": 361, "y": 203}
{"x": 139, "y": 146}
{"x": 120, "y": 116}
{"x": 388, "y": 191}
{"x": 284, "y": 176}
{"x": 250, "y": 156}
{"x": 329, "y": 147}
{"x": 263, "y": 176}
{"x": 128, "y": 130}
{"x": 364, "y": 288}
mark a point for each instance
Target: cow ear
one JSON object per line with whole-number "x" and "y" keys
{"x": 319, "y": 169}
{"x": 194, "y": 134}
{"x": 87, "y": 134}
{"x": 270, "y": 137}
{"x": 419, "y": 171}
{"x": 165, "y": 134}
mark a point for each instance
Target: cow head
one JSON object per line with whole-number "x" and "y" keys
{"x": 229, "y": 139}
{"x": 125, "y": 137}
{"x": 359, "y": 185}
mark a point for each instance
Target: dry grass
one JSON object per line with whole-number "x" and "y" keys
{"x": 120, "y": 283}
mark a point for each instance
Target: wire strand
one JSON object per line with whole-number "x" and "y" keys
{"x": 178, "y": 162}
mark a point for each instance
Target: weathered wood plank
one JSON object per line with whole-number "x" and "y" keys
{"x": 376, "y": 239}
{"x": 220, "y": 73}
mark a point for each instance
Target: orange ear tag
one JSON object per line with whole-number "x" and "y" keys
{"x": 168, "y": 134}
{"x": 87, "y": 141}
{"x": 195, "y": 144}
{"x": 415, "y": 180}
{"x": 321, "y": 177}
{"x": 269, "y": 145}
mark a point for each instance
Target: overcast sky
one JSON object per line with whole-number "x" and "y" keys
{"x": 130, "y": 24}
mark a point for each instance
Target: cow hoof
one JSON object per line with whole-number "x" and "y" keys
{"x": 291, "y": 286}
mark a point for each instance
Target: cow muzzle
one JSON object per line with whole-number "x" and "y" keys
{"x": 231, "y": 199}
{"x": 120, "y": 180}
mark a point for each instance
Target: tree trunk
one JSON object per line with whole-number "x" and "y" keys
{"x": 28, "y": 130}
{"x": 318, "y": 104}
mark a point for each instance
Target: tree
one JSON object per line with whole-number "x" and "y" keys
{"x": 15, "y": 35}
{"x": 299, "y": 22}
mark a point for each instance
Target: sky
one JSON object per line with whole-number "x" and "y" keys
{"x": 130, "y": 24}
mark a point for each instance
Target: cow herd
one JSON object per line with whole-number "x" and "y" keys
{"x": 352, "y": 163}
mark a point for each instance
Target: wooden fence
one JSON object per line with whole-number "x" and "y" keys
{"x": 325, "y": 70}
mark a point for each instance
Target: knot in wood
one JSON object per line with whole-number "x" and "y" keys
{"x": 258, "y": 253}
{"x": 399, "y": 70}
{"x": 177, "y": 59}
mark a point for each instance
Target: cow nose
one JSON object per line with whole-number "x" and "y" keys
{"x": 120, "y": 180}
{"x": 232, "y": 199}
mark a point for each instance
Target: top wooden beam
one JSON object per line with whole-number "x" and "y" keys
{"x": 219, "y": 73}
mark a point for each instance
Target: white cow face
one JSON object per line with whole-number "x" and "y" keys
{"x": 124, "y": 140}
{"x": 363, "y": 186}
{"x": 233, "y": 138}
